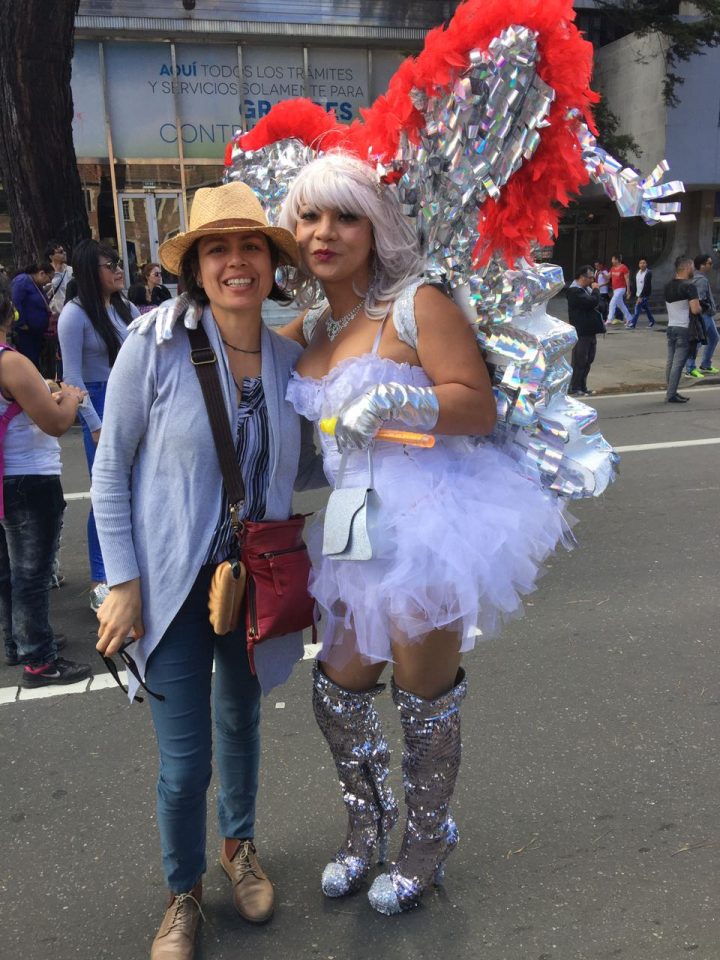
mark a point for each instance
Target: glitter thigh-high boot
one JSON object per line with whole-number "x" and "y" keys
{"x": 351, "y": 726}
{"x": 431, "y": 761}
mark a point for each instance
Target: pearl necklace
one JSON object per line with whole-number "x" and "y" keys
{"x": 334, "y": 327}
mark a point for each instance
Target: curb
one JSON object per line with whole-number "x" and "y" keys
{"x": 629, "y": 388}
{"x": 660, "y": 385}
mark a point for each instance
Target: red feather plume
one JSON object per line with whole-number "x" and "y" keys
{"x": 530, "y": 201}
{"x": 300, "y": 118}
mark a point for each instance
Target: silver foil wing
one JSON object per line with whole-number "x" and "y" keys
{"x": 539, "y": 425}
{"x": 269, "y": 171}
{"x": 632, "y": 194}
{"x": 477, "y": 134}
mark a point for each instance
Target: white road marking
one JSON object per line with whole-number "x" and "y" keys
{"x": 627, "y": 449}
{"x": 100, "y": 681}
{"x": 41, "y": 693}
{"x": 668, "y": 445}
{"x": 85, "y": 495}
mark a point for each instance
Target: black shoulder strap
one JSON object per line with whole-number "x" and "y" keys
{"x": 204, "y": 360}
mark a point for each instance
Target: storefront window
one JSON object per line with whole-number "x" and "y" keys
{"x": 140, "y": 99}
{"x": 270, "y": 74}
{"x": 149, "y": 197}
{"x": 202, "y": 175}
{"x": 638, "y": 240}
{"x": 338, "y": 80}
{"x": 590, "y": 232}
{"x": 384, "y": 65}
{"x": 141, "y": 175}
{"x": 97, "y": 191}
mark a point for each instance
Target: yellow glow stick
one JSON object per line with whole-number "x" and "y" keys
{"x": 407, "y": 437}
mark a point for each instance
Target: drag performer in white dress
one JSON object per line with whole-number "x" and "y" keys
{"x": 460, "y": 533}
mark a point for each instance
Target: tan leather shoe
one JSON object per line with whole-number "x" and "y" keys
{"x": 253, "y": 894}
{"x": 175, "y": 940}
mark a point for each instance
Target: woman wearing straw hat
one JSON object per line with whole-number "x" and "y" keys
{"x": 163, "y": 522}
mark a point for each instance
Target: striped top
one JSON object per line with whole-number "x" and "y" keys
{"x": 252, "y": 446}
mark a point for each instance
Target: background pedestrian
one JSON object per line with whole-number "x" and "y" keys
{"x": 703, "y": 266}
{"x": 620, "y": 284}
{"x": 92, "y": 328}
{"x": 157, "y": 292}
{"x": 681, "y": 299}
{"x": 31, "y": 303}
{"x": 583, "y": 297}
{"x": 643, "y": 289}
{"x": 31, "y": 509}
{"x": 602, "y": 278}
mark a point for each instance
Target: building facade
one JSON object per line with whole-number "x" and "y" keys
{"x": 158, "y": 94}
{"x": 629, "y": 73}
{"x": 159, "y": 90}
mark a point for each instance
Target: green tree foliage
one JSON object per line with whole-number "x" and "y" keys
{"x": 686, "y": 33}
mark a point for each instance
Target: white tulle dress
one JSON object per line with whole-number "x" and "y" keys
{"x": 464, "y": 534}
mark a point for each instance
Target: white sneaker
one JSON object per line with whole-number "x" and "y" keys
{"x": 98, "y": 594}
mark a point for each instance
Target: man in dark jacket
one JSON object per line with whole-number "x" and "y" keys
{"x": 643, "y": 289}
{"x": 583, "y": 297}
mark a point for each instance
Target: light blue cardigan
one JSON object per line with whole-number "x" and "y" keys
{"x": 156, "y": 481}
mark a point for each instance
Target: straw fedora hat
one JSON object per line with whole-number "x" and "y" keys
{"x": 231, "y": 208}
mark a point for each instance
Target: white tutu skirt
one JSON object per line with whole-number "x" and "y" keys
{"x": 464, "y": 537}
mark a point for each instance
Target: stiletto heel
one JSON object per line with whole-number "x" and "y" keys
{"x": 431, "y": 761}
{"x": 351, "y": 726}
{"x": 382, "y": 849}
{"x": 452, "y": 840}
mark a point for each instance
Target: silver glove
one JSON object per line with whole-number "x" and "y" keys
{"x": 361, "y": 418}
{"x": 164, "y": 318}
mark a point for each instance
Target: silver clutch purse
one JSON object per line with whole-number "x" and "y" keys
{"x": 351, "y": 519}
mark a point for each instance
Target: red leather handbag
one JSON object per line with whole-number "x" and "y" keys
{"x": 278, "y": 568}
{"x": 276, "y": 560}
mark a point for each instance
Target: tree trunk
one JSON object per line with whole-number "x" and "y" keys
{"x": 38, "y": 166}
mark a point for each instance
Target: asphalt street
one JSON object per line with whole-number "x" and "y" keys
{"x": 588, "y": 797}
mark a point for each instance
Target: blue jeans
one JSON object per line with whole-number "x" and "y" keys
{"x": 709, "y": 347}
{"x": 96, "y": 392}
{"x": 712, "y": 340}
{"x": 678, "y": 349}
{"x": 180, "y": 668}
{"x": 617, "y": 302}
{"x": 642, "y": 306}
{"x": 28, "y": 540}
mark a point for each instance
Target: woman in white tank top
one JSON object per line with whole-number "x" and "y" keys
{"x": 31, "y": 510}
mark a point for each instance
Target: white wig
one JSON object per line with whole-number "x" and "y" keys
{"x": 340, "y": 181}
